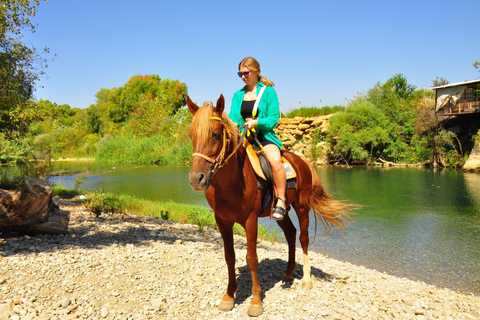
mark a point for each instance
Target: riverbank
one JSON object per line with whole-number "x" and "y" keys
{"x": 132, "y": 267}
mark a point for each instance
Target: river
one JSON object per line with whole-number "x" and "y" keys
{"x": 423, "y": 224}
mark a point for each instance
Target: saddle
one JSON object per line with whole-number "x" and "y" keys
{"x": 262, "y": 168}
{"x": 263, "y": 171}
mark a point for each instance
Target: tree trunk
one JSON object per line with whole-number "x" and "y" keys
{"x": 32, "y": 210}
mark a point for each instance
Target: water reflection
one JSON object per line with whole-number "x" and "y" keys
{"x": 472, "y": 182}
{"x": 415, "y": 223}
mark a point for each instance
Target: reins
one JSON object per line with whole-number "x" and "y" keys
{"x": 220, "y": 159}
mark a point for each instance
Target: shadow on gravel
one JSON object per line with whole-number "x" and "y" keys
{"x": 95, "y": 232}
{"x": 270, "y": 272}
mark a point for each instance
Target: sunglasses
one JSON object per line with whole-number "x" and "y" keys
{"x": 243, "y": 74}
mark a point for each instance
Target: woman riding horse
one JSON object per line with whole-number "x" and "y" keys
{"x": 221, "y": 169}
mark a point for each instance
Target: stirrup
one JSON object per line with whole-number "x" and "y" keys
{"x": 279, "y": 212}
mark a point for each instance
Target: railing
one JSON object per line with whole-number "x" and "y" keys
{"x": 469, "y": 103}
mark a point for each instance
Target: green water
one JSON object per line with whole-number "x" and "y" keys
{"x": 416, "y": 223}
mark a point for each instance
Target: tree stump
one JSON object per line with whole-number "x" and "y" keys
{"x": 32, "y": 210}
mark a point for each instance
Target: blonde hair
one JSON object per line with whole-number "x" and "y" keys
{"x": 253, "y": 65}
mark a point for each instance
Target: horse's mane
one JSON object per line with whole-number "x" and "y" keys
{"x": 200, "y": 126}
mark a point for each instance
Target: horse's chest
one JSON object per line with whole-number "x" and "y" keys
{"x": 234, "y": 205}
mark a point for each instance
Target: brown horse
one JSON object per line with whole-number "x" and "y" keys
{"x": 221, "y": 169}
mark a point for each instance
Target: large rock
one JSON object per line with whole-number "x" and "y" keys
{"x": 473, "y": 162}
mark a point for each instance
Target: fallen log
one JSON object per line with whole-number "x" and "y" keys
{"x": 32, "y": 210}
{"x": 391, "y": 164}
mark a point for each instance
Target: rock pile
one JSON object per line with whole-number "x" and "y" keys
{"x": 292, "y": 130}
{"x": 297, "y": 133}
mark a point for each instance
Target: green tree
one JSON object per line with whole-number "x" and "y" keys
{"x": 20, "y": 65}
{"x": 395, "y": 98}
{"x": 93, "y": 119}
{"x": 360, "y": 133}
{"x": 142, "y": 88}
{"x": 147, "y": 117}
{"x": 62, "y": 131}
{"x": 399, "y": 85}
{"x": 138, "y": 108}
{"x": 393, "y": 121}
{"x": 440, "y": 82}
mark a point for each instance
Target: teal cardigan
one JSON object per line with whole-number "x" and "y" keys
{"x": 268, "y": 112}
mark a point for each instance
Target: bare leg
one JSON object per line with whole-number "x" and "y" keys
{"x": 279, "y": 176}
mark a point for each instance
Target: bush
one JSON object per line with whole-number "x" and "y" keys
{"x": 360, "y": 133}
{"x": 315, "y": 150}
{"x": 151, "y": 150}
{"x": 99, "y": 202}
{"x": 13, "y": 149}
{"x": 9, "y": 182}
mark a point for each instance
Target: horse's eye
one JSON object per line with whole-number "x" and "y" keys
{"x": 216, "y": 135}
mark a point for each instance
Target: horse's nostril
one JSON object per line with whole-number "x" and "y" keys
{"x": 199, "y": 181}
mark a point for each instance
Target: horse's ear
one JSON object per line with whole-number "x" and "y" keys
{"x": 220, "y": 104}
{"x": 191, "y": 106}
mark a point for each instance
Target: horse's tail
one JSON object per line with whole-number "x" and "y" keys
{"x": 331, "y": 212}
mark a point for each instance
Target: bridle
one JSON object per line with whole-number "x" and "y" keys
{"x": 220, "y": 160}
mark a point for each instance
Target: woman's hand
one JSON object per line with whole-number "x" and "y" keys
{"x": 251, "y": 124}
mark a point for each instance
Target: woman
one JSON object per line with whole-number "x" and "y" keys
{"x": 264, "y": 120}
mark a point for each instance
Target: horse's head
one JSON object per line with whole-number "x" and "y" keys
{"x": 211, "y": 132}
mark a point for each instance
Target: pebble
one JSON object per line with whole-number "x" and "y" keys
{"x": 130, "y": 267}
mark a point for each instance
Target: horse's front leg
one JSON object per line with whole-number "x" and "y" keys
{"x": 251, "y": 229}
{"x": 226, "y": 230}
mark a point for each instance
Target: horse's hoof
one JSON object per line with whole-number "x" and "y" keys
{"x": 255, "y": 310}
{"x": 226, "y": 305}
{"x": 286, "y": 278}
{"x": 307, "y": 285}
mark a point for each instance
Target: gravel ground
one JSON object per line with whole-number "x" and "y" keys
{"x": 129, "y": 267}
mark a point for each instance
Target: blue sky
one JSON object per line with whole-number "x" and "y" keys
{"x": 317, "y": 52}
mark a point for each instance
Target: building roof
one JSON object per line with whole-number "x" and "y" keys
{"x": 472, "y": 83}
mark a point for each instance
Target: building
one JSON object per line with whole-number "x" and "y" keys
{"x": 457, "y": 99}
{"x": 459, "y": 106}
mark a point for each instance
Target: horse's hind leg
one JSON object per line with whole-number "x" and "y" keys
{"x": 226, "y": 230}
{"x": 303, "y": 220}
{"x": 290, "y": 233}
